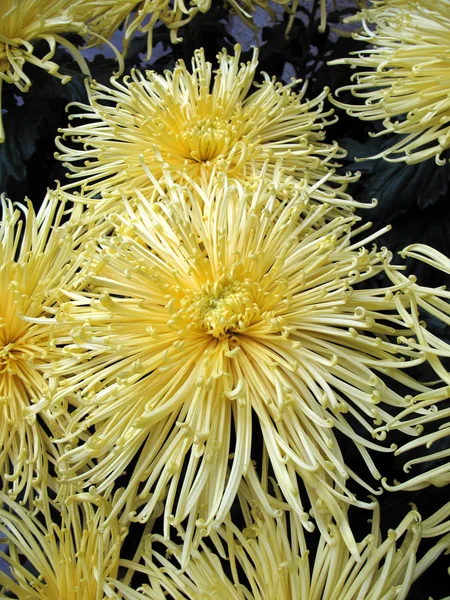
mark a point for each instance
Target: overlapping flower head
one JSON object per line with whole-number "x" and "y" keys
{"x": 269, "y": 558}
{"x": 60, "y": 552}
{"x": 196, "y": 123}
{"x": 144, "y": 15}
{"x": 433, "y": 421}
{"x": 403, "y": 78}
{"x": 22, "y": 24}
{"x": 208, "y": 315}
{"x": 36, "y": 260}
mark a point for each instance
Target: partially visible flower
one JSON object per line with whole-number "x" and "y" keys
{"x": 71, "y": 556}
{"x": 404, "y": 78}
{"x": 36, "y": 259}
{"x": 427, "y": 410}
{"x": 143, "y": 15}
{"x": 270, "y": 559}
{"x": 22, "y": 24}
{"x": 198, "y": 123}
{"x": 203, "y": 316}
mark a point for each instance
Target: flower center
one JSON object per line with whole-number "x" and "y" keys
{"x": 10, "y": 331}
{"x": 15, "y": 356}
{"x": 205, "y": 139}
{"x": 7, "y": 358}
{"x": 222, "y": 308}
{"x": 19, "y": 344}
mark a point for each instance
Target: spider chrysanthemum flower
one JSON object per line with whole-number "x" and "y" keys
{"x": 108, "y": 15}
{"x": 22, "y": 24}
{"x": 404, "y": 78}
{"x": 68, "y": 557}
{"x": 435, "y": 303}
{"x": 197, "y": 324}
{"x": 196, "y": 123}
{"x": 35, "y": 256}
{"x": 269, "y": 559}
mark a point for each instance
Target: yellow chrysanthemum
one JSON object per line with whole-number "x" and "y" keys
{"x": 196, "y": 123}
{"x": 35, "y": 252}
{"x": 269, "y": 559}
{"x": 196, "y": 322}
{"x": 143, "y": 15}
{"x": 404, "y": 78}
{"x": 70, "y": 557}
{"x": 22, "y": 23}
{"x": 427, "y": 411}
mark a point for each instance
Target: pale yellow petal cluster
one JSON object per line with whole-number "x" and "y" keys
{"x": 196, "y": 122}
{"x": 143, "y": 15}
{"x": 25, "y": 22}
{"x": 70, "y": 556}
{"x": 403, "y": 78}
{"x": 36, "y": 260}
{"x": 269, "y": 559}
{"x": 430, "y": 414}
{"x": 191, "y": 327}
